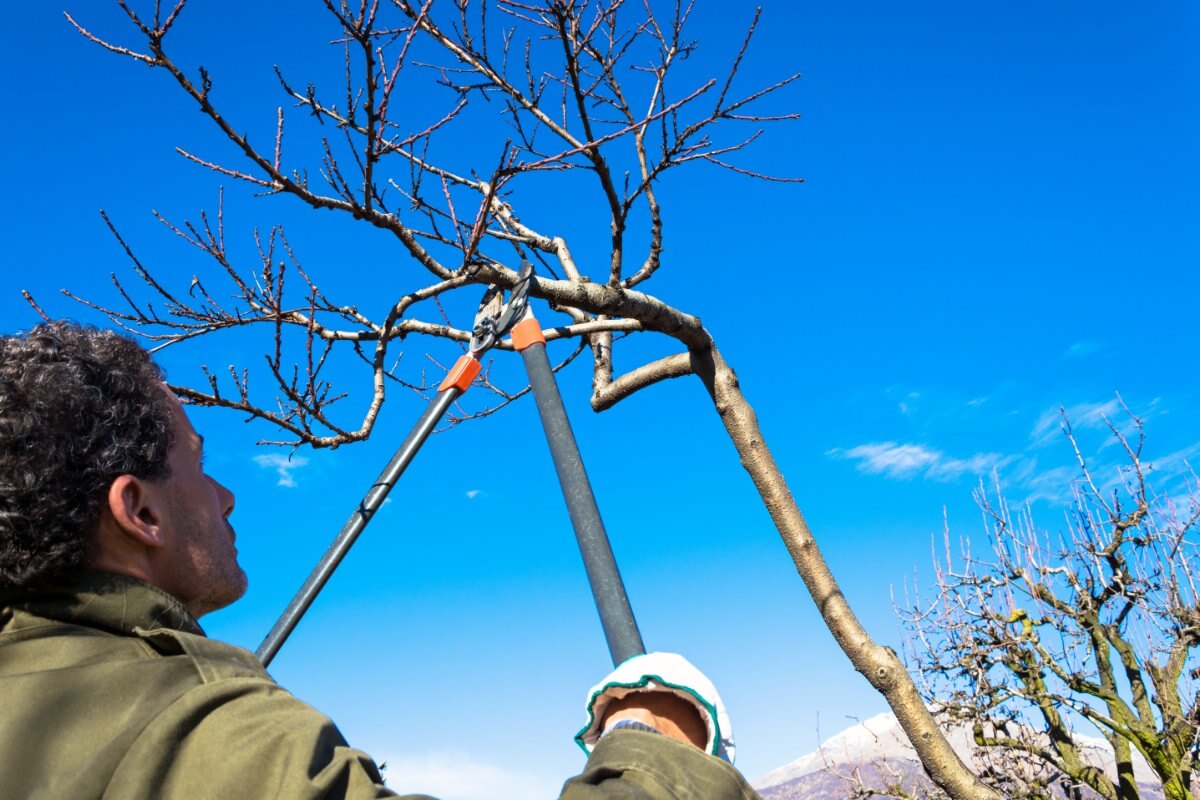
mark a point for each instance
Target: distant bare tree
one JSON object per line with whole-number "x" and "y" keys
{"x": 1009, "y": 771}
{"x": 547, "y": 89}
{"x": 1050, "y": 636}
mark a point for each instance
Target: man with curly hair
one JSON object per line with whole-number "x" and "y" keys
{"x": 114, "y": 541}
{"x": 99, "y": 465}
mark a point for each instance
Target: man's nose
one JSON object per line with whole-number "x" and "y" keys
{"x": 226, "y": 496}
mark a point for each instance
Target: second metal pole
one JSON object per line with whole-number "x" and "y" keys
{"x": 354, "y": 525}
{"x": 616, "y": 615}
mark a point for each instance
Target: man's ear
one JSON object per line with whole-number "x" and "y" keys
{"x": 134, "y": 507}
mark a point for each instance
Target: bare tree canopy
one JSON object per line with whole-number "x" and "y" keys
{"x": 1049, "y": 638}
{"x": 451, "y": 116}
{"x": 538, "y": 94}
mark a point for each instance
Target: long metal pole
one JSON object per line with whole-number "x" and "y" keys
{"x": 616, "y": 615}
{"x": 354, "y": 526}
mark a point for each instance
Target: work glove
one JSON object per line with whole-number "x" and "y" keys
{"x": 660, "y": 672}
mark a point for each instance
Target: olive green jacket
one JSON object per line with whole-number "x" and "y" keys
{"x": 109, "y": 689}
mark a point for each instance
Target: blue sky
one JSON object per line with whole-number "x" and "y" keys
{"x": 998, "y": 218}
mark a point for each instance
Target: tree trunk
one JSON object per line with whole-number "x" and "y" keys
{"x": 879, "y": 665}
{"x": 1123, "y": 755}
{"x": 1174, "y": 789}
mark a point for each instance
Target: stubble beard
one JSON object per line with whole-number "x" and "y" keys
{"x": 220, "y": 579}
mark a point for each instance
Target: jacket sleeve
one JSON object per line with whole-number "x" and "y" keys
{"x": 249, "y": 739}
{"x": 634, "y": 765}
{"x": 245, "y": 739}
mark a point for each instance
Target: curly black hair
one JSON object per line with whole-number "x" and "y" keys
{"x": 78, "y": 408}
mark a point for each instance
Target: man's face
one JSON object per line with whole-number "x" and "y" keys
{"x": 200, "y": 559}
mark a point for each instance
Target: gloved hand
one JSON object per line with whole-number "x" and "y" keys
{"x": 660, "y": 672}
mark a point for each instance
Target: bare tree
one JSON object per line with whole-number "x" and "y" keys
{"x": 1051, "y": 636}
{"x": 590, "y": 88}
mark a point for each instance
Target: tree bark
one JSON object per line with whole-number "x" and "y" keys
{"x": 1174, "y": 789}
{"x": 879, "y": 665}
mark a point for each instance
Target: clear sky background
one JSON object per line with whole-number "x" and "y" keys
{"x": 999, "y": 218}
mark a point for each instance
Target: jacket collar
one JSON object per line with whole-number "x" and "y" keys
{"x": 106, "y": 600}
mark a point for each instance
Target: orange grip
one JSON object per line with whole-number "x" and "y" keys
{"x": 525, "y": 333}
{"x": 462, "y": 374}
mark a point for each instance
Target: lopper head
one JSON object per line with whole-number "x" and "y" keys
{"x": 495, "y": 317}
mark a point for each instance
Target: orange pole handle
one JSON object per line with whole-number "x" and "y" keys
{"x": 526, "y": 332}
{"x": 462, "y": 374}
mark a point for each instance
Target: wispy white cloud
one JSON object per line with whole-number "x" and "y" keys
{"x": 1169, "y": 475}
{"x": 1054, "y": 485}
{"x": 892, "y": 459}
{"x": 908, "y": 404}
{"x": 473, "y": 493}
{"x": 1092, "y": 416}
{"x": 283, "y": 466}
{"x": 1180, "y": 462}
{"x": 979, "y": 464}
{"x": 1046, "y": 469}
{"x": 461, "y": 776}
{"x": 1079, "y": 349}
{"x": 1083, "y": 416}
{"x": 905, "y": 461}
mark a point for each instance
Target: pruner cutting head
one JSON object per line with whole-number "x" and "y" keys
{"x": 495, "y": 317}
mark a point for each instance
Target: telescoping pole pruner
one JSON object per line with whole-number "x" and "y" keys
{"x": 492, "y": 321}
{"x": 608, "y": 590}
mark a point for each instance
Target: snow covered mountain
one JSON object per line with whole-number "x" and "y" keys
{"x": 876, "y": 752}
